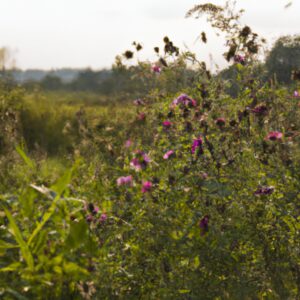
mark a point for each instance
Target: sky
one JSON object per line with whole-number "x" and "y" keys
{"x": 50, "y": 34}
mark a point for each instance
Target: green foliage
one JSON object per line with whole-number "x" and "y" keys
{"x": 167, "y": 197}
{"x": 284, "y": 58}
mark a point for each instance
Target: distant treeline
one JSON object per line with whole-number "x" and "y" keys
{"x": 279, "y": 63}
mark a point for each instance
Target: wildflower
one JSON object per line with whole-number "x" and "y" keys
{"x": 167, "y": 124}
{"x": 89, "y": 218}
{"x": 203, "y": 224}
{"x": 156, "y": 69}
{"x": 264, "y": 190}
{"x": 260, "y": 110}
{"x": 147, "y": 186}
{"x": 103, "y": 218}
{"x": 140, "y": 161}
{"x": 197, "y": 144}
{"x": 128, "y": 143}
{"x": 184, "y": 101}
{"x": 204, "y": 175}
{"x": 96, "y": 210}
{"x": 141, "y": 116}
{"x": 124, "y": 180}
{"x": 138, "y": 102}
{"x": 274, "y": 136}
{"x": 220, "y": 122}
{"x": 239, "y": 59}
{"x": 168, "y": 154}
{"x": 296, "y": 94}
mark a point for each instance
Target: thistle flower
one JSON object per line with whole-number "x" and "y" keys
{"x": 138, "y": 102}
{"x": 140, "y": 161}
{"x": 147, "y": 186}
{"x": 220, "y": 122}
{"x": 203, "y": 224}
{"x": 168, "y": 154}
{"x": 267, "y": 190}
{"x": 89, "y": 218}
{"x": 103, "y": 218}
{"x": 128, "y": 143}
{"x": 124, "y": 180}
{"x": 156, "y": 69}
{"x": 141, "y": 116}
{"x": 260, "y": 110}
{"x": 197, "y": 144}
{"x": 167, "y": 124}
{"x": 274, "y": 136}
{"x": 239, "y": 59}
{"x": 184, "y": 101}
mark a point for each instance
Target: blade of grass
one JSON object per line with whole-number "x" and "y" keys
{"x": 19, "y": 239}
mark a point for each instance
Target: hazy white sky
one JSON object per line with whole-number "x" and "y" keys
{"x": 80, "y": 33}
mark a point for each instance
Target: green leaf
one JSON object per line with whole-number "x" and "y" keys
{"x": 12, "y": 267}
{"x": 19, "y": 239}
{"x": 77, "y": 235}
{"x": 5, "y": 245}
{"x": 26, "y": 159}
{"x": 59, "y": 187}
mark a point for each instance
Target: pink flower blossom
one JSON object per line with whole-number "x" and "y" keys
{"x": 197, "y": 144}
{"x": 220, "y": 122}
{"x": 141, "y": 116}
{"x": 260, "y": 110}
{"x": 167, "y": 124}
{"x": 274, "y": 136}
{"x": 147, "y": 186}
{"x": 124, "y": 180}
{"x": 156, "y": 69}
{"x": 103, "y": 218}
{"x": 128, "y": 143}
{"x": 140, "y": 160}
{"x": 184, "y": 101}
{"x": 168, "y": 154}
{"x": 296, "y": 94}
{"x": 239, "y": 59}
{"x": 138, "y": 102}
{"x": 204, "y": 175}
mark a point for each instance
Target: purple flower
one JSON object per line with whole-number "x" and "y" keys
{"x": 260, "y": 110}
{"x": 147, "y": 186}
{"x": 141, "y": 116}
{"x": 274, "y": 136}
{"x": 89, "y": 218}
{"x": 296, "y": 94}
{"x": 103, "y": 218}
{"x": 267, "y": 190}
{"x": 138, "y": 102}
{"x": 203, "y": 224}
{"x": 239, "y": 59}
{"x": 124, "y": 180}
{"x": 128, "y": 143}
{"x": 184, "y": 101}
{"x": 220, "y": 122}
{"x": 168, "y": 154}
{"x": 156, "y": 69}
{"x": 197, "y": 144}
{"x": 167, "y": 124}
{"x": 140, "y": 161}
{"x": 204, "y": 175}
{"x": 96, "y": 210}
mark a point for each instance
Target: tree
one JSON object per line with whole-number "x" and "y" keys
{"x": 284, "y": 58}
